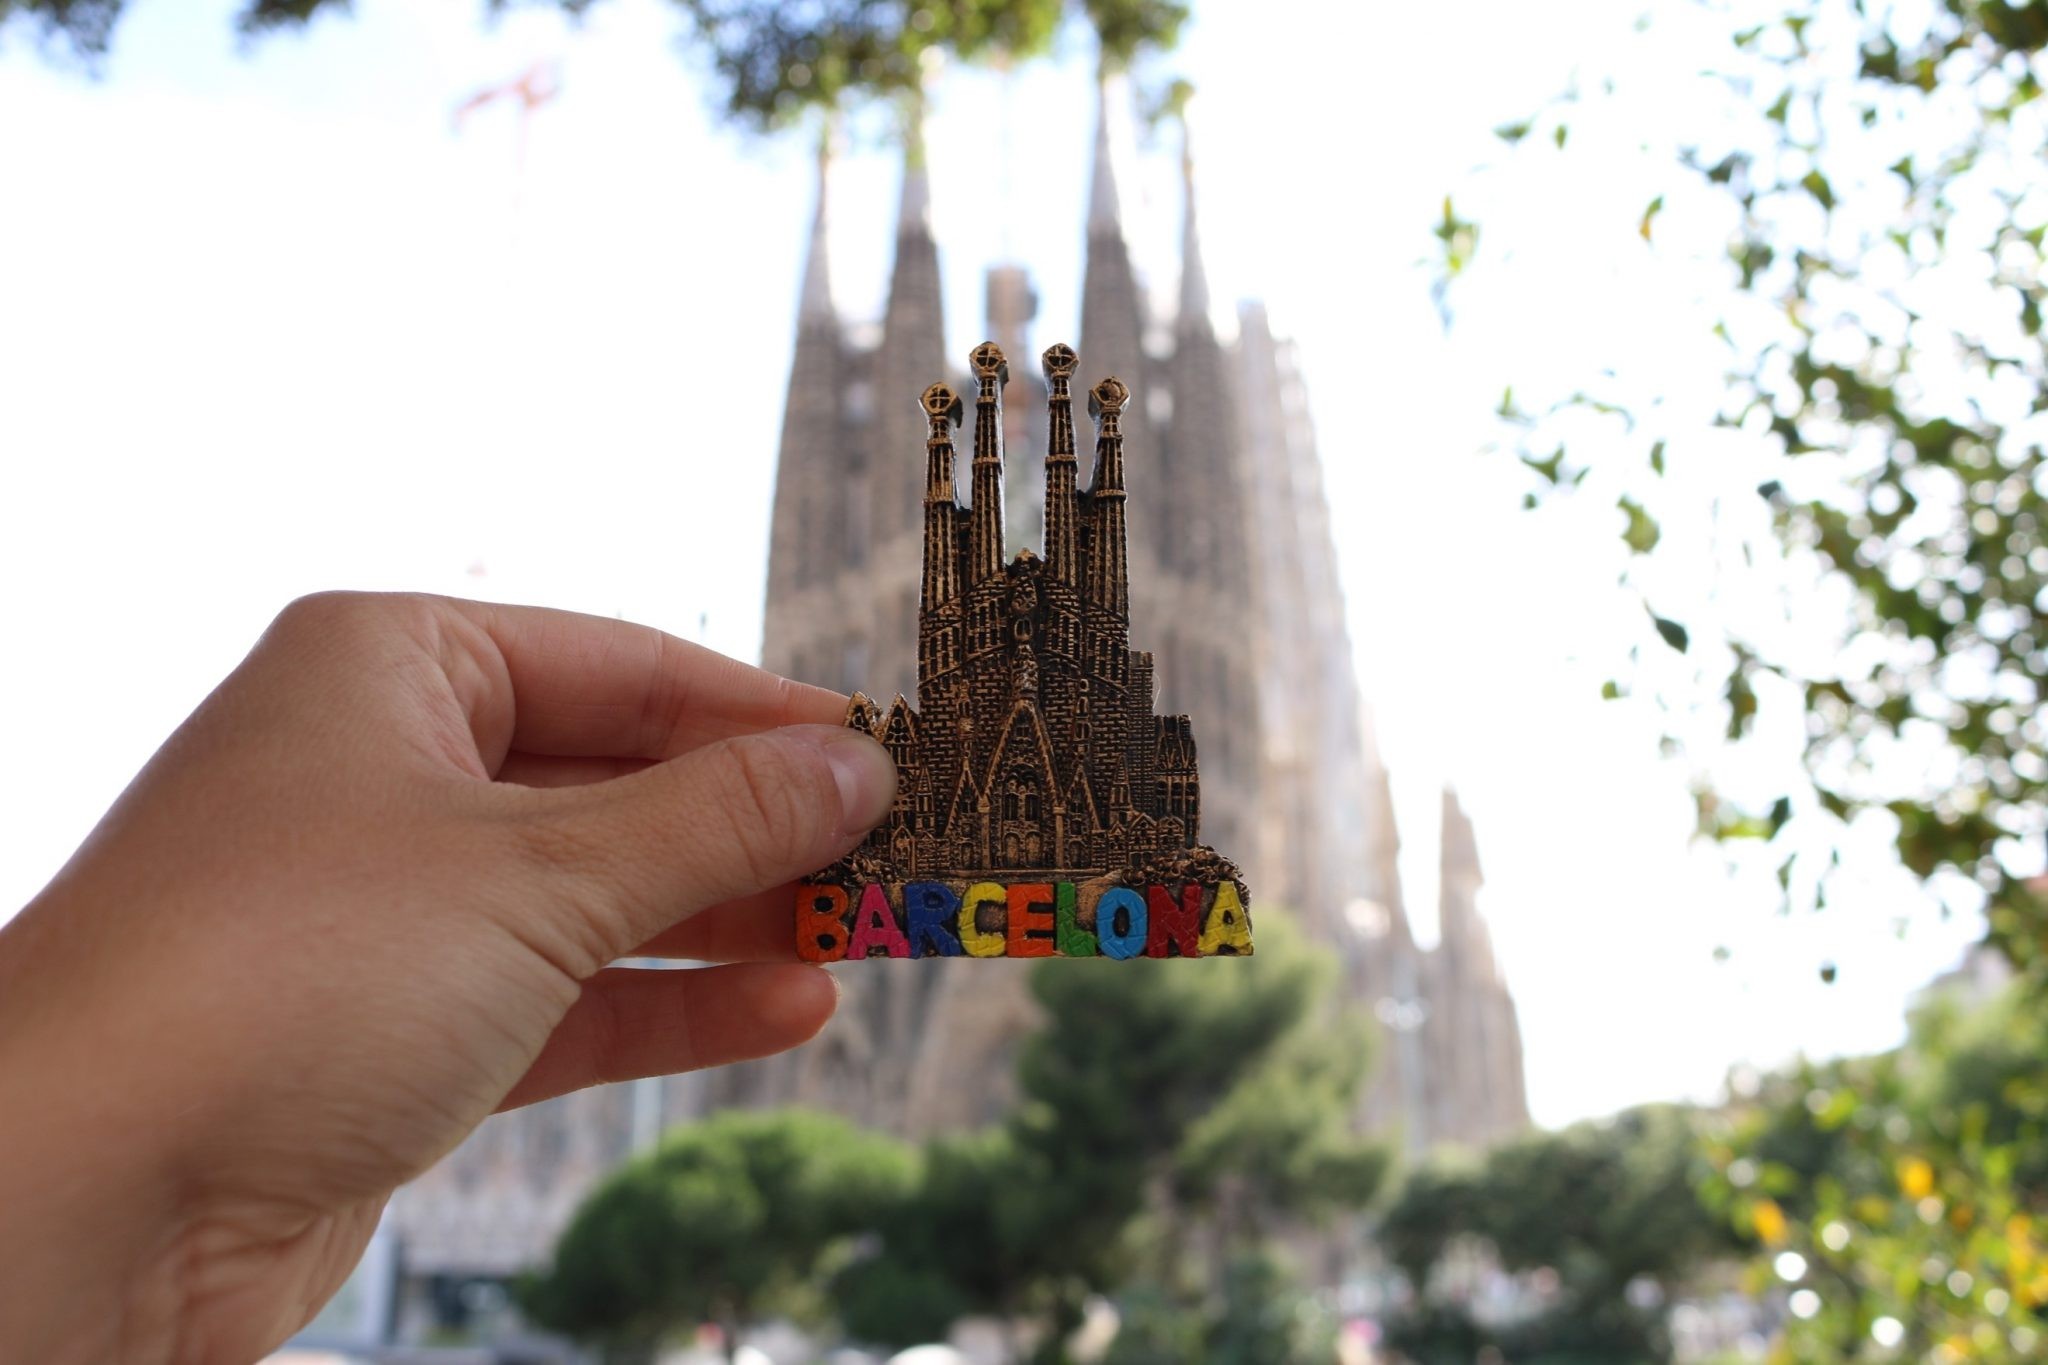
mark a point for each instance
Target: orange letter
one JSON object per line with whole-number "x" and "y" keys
{"x": 820, "y": 922}
{"x": 1031, "y": 926}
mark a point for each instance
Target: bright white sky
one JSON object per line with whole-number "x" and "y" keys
{"x": 270, "y": 325}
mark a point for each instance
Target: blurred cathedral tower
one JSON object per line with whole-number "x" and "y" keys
{"x": 1233, "y": 583}
{"x": 1234, "y": 588}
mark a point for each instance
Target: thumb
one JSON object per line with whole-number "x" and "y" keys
{"x": 641, "y": 852}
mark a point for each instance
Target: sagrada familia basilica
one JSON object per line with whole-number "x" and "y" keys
{"x": 1231, "y": 584}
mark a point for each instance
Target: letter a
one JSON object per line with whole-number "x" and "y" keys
{"x": 1229, "y": 932}
{"x": 874, "y": 926}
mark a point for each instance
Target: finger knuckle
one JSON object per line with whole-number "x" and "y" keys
{"x": 320, "y": 610}
{"x": 341, "y": 611}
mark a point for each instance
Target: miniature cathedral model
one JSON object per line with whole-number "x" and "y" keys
{"x": 1042, "y": 808}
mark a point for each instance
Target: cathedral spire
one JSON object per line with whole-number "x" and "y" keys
{"x": 892, "y": 439}
{"x": 1194, "y": 280}
{"x": 1459, "y": 926}
{"x": 815, "y": 301}
{"x": 805, "y": 534}
{"x": 914, "y": 204}
{"x": 1112, "y": 315}
{"x": 1105, "y": 214}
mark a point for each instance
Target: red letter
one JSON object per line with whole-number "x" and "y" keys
{"x": 874, "y": 926}
{"x": 1177, "y": 926}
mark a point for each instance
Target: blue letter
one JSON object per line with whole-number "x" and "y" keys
{"x": 1128, "y": 939}
{"x": 932, "y": 907}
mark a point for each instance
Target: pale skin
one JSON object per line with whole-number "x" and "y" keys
{"x": 365, "y": 897}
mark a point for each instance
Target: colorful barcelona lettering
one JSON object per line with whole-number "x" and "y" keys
{"x": 1020, "y": 919}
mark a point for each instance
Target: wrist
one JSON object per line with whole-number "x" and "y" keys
{"x": 89, "y": 1224}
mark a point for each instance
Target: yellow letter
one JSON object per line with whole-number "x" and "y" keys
{"x": 977, "y": 941}
{"x": 1228, "y": 932}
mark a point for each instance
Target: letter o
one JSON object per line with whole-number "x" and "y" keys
{"x": 1128, "y": 941}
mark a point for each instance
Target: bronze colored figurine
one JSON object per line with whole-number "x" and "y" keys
{"x": 1042, "y": 808}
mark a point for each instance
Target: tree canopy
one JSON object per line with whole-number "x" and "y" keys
{"x": 770, "y": 61}
{"x": 1171, "y": 1099}
{"x": 1607, "y": 1208}
{"x": 714, "y": 1224}
{"x": 1877, "y": 555}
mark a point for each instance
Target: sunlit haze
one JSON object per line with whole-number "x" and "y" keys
{"x": 271, "y": 323}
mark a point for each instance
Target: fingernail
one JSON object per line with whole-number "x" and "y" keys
{"x": 866, "y": 776}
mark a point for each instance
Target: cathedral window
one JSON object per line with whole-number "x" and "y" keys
{"x": 860, "y": 401}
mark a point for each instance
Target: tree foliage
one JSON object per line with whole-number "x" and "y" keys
{"x": 772, "y": 61}
{"x": 1259, "y": 1316}
{"x": 1607, "y": 1208}
{"x": 1175, "y": 1115}
{"x": 1897, "y": 1200}
{"x": 1876, "y": 168}
{"x": 716, "y": 1223}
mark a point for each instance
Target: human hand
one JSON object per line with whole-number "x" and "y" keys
{"x": 363, "y": 898}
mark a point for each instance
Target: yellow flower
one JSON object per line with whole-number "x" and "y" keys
{"x": 1916, "y": 1177}
{"x": 1768, "y": 1220}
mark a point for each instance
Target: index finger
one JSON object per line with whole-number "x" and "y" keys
{"x": 598, "y": 687}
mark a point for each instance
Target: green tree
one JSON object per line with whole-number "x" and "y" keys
{"x": 961, "y": 1242}
{"x": 723, "y": 1220}
{"x": 1899, "y": 1197}
{"x": 771, "y": 61}
{"x": 1259, "y": 1316}
{"x": 1167, "y": 1107}
{"x": 1609, "y": 1208}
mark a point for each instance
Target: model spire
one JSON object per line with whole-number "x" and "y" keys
{"x": 985, "y": 515}
{"x": 1062, "y": 509}
{"x": 1110, "y": 579}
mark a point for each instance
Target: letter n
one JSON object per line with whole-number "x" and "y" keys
{"x": 1175, "y": 926}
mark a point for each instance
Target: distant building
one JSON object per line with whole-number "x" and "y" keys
{"x": 1232, "y": 585}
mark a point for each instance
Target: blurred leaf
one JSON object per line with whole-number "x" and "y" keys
{"x": 1642, "y": 532}
{"x": 1671, "y": 633}
{"x": 1650, "y": 212}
